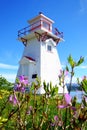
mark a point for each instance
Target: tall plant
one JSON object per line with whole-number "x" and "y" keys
{"x": 73, "y": 64}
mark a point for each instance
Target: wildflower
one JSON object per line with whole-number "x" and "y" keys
{"x": 67, "y": 104}
{"x": 30, "y": 110}
{"x": 56, "y": 118}
{"x": 66, "y": 72}
{"x": 67, "y": 98}
{"x": 84, "y": 77}
{"x": 63, "y": 73}
{"x": 56, "y": 122}
{"x": 21, "y": 84}
{"x": 23, "y": 89}
{"x": 13, "y": 99}
{"x": 17, "y": 87}
{"x": 85, "y": 99}
{"x": 62, "y": 106}
{"x": 23, "y": 80}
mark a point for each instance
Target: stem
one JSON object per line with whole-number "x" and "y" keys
{"x": 34, "y": 110}
{"x": 65, "y": 119}
{"x": 72, "y": 73}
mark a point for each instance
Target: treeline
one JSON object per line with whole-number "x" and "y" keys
{"x": 74, "y": 87}
{"x": 4, "y": 84}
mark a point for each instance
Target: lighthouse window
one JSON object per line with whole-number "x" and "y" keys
{"x": 49, "y": 48}
{"x": 46, "y": 25}
{"x": 34, "y": 76}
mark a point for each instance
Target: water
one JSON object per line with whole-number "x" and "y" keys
{"x": 78, "y": 94}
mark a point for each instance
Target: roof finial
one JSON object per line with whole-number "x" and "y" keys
{"x": 40, "y": 13}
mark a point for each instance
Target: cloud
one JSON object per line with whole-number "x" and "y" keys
{"x": 83, "y": 6}
{"x": 82, "y": 67}
{"x": 78, "y": 67}
{"x": 9, "y": 77}
{"x": 6, "y": 66}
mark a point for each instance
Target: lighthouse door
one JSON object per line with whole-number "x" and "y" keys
{"x": 32, "y": 71}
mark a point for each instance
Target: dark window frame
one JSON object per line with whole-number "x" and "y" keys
{"x": 49, "y": 48}
{"x": 34, "y": 76}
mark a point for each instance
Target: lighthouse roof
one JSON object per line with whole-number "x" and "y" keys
{"x": 26, "y": 59}
{"x": 40, "y": 16}
{"x": 29, "y": 58}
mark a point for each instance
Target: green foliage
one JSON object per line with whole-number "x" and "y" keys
{"x": 25, "y": 110}
{"x": 80, "y": 61}
{"x": 4, "y": 84}
{"x": 50, "y": 90}
{"x": 84, "y": 85}
{"x": 73, "y": 63}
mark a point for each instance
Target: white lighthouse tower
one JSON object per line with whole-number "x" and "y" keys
{"x": 40, "y": 57}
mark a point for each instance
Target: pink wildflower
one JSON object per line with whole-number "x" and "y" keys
{"x": 23, "y": 80}
{"x": 84, "y": 77}
{"x": 67, "y": 98}
{"x": 13, "y": 99}
{"x": 30, "y": 110}
{"x": 66, "y": 73}
{"x": 56, "y": 118}
{"x": 62, "y": 106}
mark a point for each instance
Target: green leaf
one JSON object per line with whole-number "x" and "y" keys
{"x": 32, "y": 86}
{"x": 45, "y": 86}
{"x": 84, "y": 85}
{"x": 67, "y": 68}
{"x": 50, "y": 85}
{"x": 81, "y": 60}
{"x": 38, "y": 81}
{"x": 71, "y": 61}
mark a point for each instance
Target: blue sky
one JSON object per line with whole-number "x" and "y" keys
{"x": 70, "y": 17}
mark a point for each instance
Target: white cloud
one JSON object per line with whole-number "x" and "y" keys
{"x": 6, "y": 66}
{"x": 78, "y": 67}
{"x": 82, "y": 67}
{"x": 9, "y": 77}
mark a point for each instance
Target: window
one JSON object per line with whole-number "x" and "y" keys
{"x": 34, "y": 76}
{"x": 49, "y": 48}
{"x": 46, "y": 25}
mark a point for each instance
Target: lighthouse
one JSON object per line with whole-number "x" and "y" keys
{"x": 40, "y": 57}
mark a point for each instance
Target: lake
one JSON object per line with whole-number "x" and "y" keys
{"x": 78, "y": 94}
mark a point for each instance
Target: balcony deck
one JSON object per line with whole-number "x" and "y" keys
{"x": 36, "y": 26}
{"x": 39, "y": 27}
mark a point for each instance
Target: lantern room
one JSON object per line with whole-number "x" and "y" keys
{"x": 41, "y": 22}
{"x": 40, "y": 27}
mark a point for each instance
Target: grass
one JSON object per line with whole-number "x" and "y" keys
{"x": 44, "y": 109}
